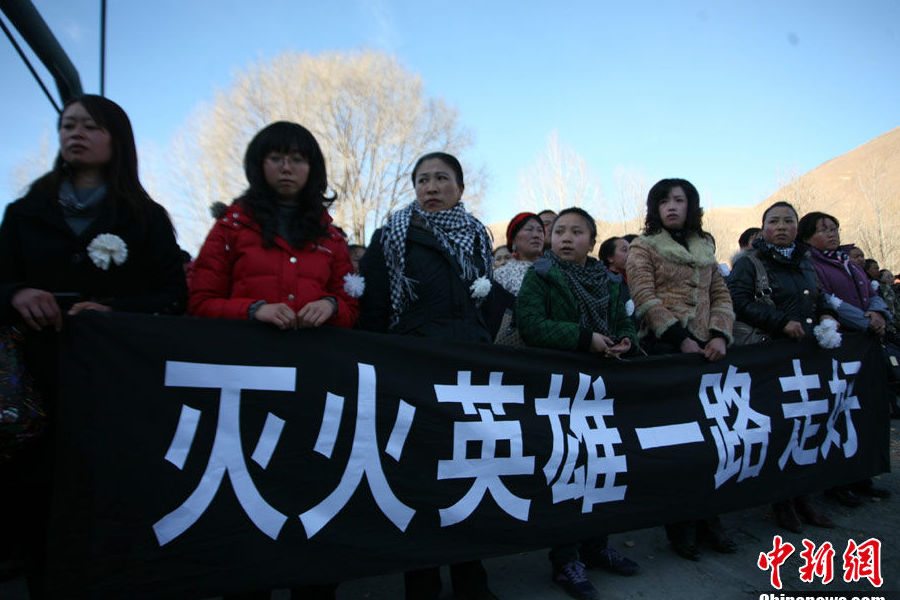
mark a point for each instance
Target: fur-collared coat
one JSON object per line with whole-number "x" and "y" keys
{"x": 673, "y": 285}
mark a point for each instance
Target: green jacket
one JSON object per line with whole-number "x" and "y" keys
{"x": 547, "y": 315}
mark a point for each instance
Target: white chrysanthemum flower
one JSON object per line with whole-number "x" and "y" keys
{"x": 874, "y": 285}
{"x": 354, "y": 285}
{"x": 481, "y": 287}
{"x": 827, "y": 334}
{"x": 724, "y": 271}
{"x": 107, "y": 247}
{"x": 833, "y": 301}
{"x": 629, "y": 307}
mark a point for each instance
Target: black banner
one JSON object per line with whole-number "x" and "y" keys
{"x": 199, "y": 457}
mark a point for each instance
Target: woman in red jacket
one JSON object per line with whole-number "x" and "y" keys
{"x": 275, "y": 256}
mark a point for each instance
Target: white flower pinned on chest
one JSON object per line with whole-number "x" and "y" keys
{"x": 354, "y": 285}
{"x": 106, "y": 248}
{"x": 481, "y": 287}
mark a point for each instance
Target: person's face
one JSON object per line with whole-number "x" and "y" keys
{"x": 887, "y": 278}
{"x": 355, "y": 255}
{"x": 873, "y": 271}
{"x": 529, "y": 241}
{"x": 286, "y": 173}
{"x": 547, "y": 219}
{"x": 83, "y": 144}
{"x": 571, "y": 239}
{"x": 827, "y": 235}
{"x": 780, "y": 226}
{"x": 617, "y": 260}
{"x": 673, "y": 209}
{"x": 436, "y": 186}
{"x": 501, "y": 256}
{"x": 858, "y": 256}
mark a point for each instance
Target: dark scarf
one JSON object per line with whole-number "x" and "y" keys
{"x": 590, "y": 286}
{"x": 460, "y": 234}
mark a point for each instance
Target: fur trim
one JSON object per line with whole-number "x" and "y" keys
{"x": 700, "y": 251}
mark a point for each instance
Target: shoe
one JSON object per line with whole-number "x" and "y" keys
{"x": 686, "y": 550}
{"x": 865, "y": 488}
{"x": 714, "y": 536}
{"x": 609, "y": 559}
{"x": 844, "y": 496}
{"x": 810, "y": 515}
{"x": 571, "y": 578}
{"x": 786, "y": 517}
{"x": 682, "y": 537}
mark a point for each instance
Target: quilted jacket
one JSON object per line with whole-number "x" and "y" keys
{"x": 234, "y": 269}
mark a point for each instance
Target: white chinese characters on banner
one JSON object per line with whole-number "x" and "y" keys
{"x": 594, "y": 482}
{"x": 363, "y": 457}
{"x": 487, "y": 468}
{"x": 227, "y": 455}
{"x": 802, "y": 413}
{"x": 746, "y": 437}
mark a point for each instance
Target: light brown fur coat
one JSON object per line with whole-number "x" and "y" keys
{"x": 672, "y": 284}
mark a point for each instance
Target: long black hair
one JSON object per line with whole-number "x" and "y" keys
{"x": 694, "y": 220}
{"x": 308, "y": 224}
{"x": 120, "y": 174}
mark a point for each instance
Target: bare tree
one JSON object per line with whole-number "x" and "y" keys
{"x": 370, "y": 115}
{"x": 631, "y": 198}
{"x": 35, "y": 162}
{"x": 877, "y": 221}
{"x": 797, "y": 189}
{"x": 560, "y": 177}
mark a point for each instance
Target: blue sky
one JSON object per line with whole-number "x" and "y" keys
{"x": 731, "y": 95}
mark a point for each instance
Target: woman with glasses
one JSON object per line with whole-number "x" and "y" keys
{"x": 860, "y": 307}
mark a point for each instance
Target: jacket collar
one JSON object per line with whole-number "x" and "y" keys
{"x": 240, "y": 215}
{"x": 698, "y": 253}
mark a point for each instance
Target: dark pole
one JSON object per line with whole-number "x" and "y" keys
{"x": 25, "y": 18}
{"x": 102, "y": 47}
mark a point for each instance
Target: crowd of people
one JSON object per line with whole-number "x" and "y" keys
{"x": 88, "y": 237}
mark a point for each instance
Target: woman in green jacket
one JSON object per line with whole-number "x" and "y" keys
{"x": 571, "y": 301}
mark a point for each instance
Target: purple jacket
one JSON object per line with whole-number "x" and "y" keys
{"x": 844, "y": 279}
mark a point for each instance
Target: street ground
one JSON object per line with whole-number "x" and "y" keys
{"x": 664, "y": 575}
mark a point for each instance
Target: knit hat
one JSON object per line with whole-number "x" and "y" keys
{"x": 516, "y": 224}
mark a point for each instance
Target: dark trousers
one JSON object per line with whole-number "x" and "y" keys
{"x": 468, "y": 578}
{"x": 561, "y": 555}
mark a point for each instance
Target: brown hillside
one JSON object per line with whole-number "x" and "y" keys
{"x": 861, "y": 188}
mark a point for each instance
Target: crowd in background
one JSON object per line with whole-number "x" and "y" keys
{"x": 87, "y": 236}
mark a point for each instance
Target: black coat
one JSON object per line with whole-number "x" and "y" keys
{"x": 795, "y": 291}
{"x": 443, "y": 308}
{"x": 40, "y": 250}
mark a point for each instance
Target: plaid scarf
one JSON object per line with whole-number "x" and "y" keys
{"x": 785, "y": 251}
{"x": 590, "y": 286}
{"x": 461, "y": 235}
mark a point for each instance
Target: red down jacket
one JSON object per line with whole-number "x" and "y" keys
{"x": 234, "y": 270}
